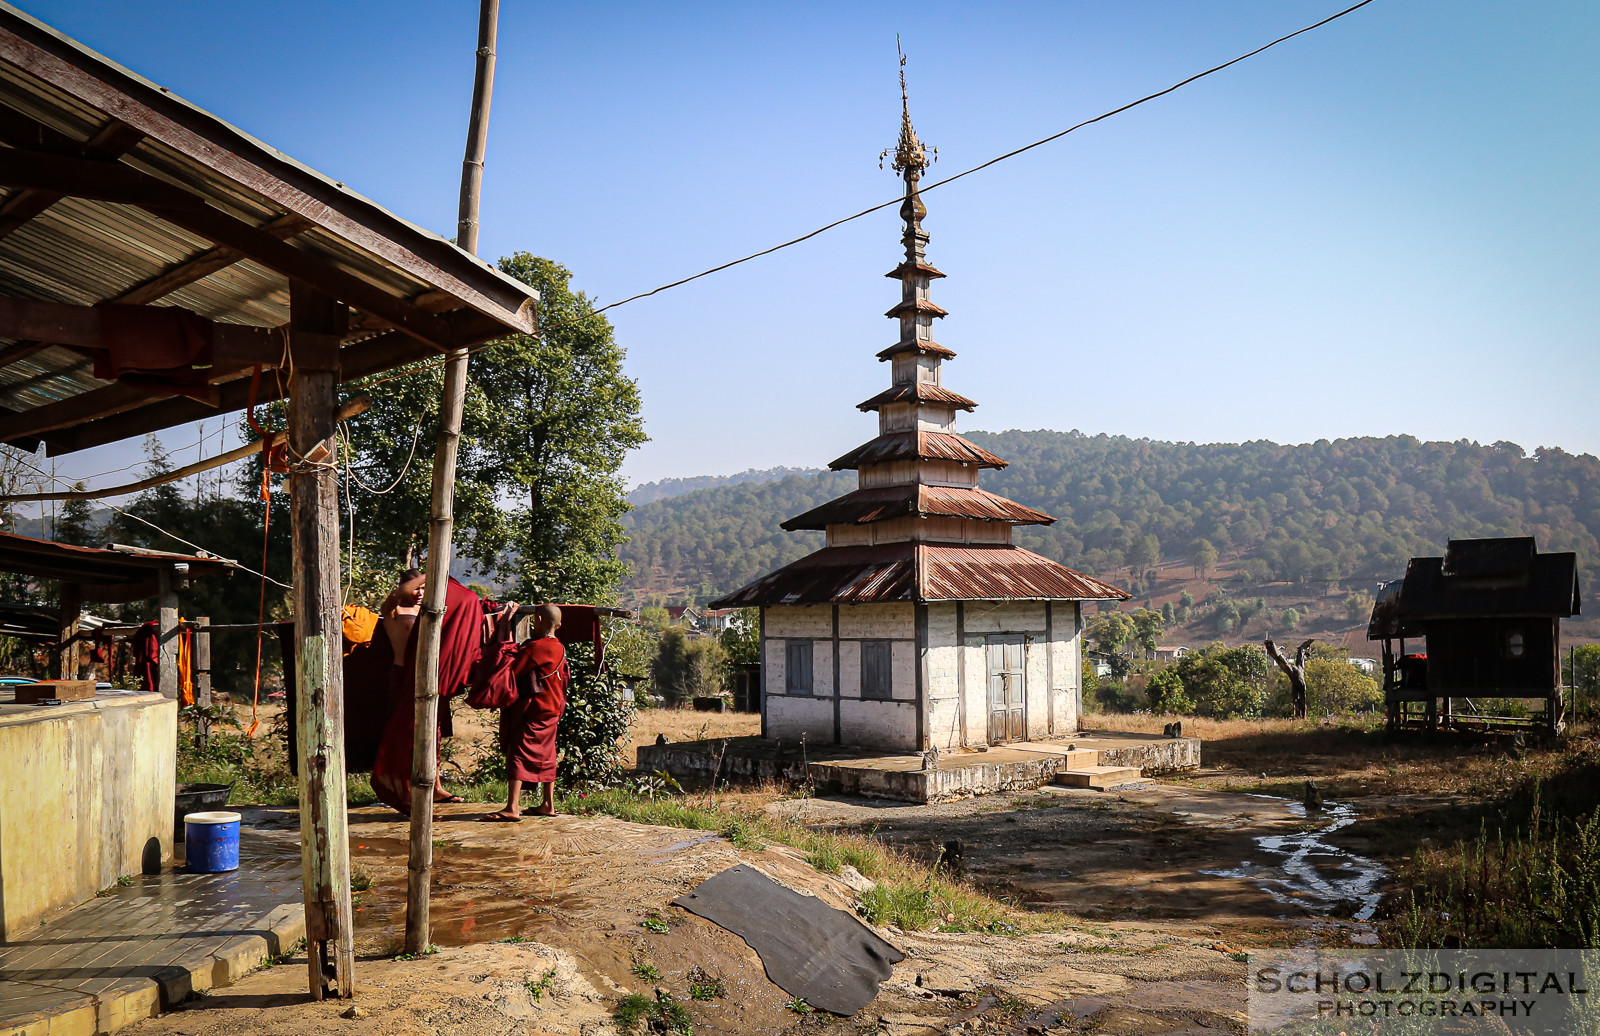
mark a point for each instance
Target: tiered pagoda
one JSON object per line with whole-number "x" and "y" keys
{"x": 919, "y": 624}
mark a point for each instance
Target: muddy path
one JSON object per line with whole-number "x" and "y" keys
{"x": 1250, "y": 869}
{"x": 573, "y": 892}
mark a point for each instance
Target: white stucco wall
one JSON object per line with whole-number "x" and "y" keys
{"x": 953, "y": 670}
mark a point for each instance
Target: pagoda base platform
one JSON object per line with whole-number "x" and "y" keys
{"x": 848, "y": 770}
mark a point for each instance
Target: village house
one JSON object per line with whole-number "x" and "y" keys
{"x": 920, "y": 624}
{"x": 1168, "y": 653}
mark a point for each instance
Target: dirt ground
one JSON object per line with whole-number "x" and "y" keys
{"x": 1156, "y": 891}
{"x": 575, "y": 891}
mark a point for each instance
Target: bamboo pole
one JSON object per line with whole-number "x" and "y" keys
{"x": 424, "y": 747}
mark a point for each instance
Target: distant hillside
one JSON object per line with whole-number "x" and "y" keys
{"x": 1349, "y": 512}
{"x": 671, "y": 487}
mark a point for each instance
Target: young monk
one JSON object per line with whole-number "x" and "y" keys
{"x": 528, "y": 728}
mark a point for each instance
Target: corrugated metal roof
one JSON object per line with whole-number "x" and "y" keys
{"x": 881, "y": 503}
{"x": 917, "y": 446}
{"x": 82, "y": 251}
{"x": 919, "y": 392}
{"x": 922, "y": 345}
{"x": 918, "y": 306}
{"x": 1478, "y": 578}
{"x": 899, "y": 272}
{"x": 920, "y": 572}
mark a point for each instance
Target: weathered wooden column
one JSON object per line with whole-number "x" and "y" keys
{"x": 202, "y": 679}
{"x": 317, "y": 324}
{"x": 67, "y": 641}
{"x": 167, "y": 628}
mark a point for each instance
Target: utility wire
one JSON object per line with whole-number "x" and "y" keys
{"x": 898, "y": 199}
{"x": 164, "y": 532}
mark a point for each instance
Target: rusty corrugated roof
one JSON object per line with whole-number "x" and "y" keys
{"x": 917, "y": 306}
{"x": 920, "y": 572}
{"x": 881, "y": 503}
{"x": 919, "y": 392}
{"x": 917, "y": 446}
{"x": 924, "y": 345}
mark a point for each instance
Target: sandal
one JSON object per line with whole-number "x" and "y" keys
{"x": 450, "y": 798}
{"x": 499, "y": 818}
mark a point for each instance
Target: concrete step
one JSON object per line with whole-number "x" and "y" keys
{"x": 1080, "y": 759}
{"x": 1099, "y": 778}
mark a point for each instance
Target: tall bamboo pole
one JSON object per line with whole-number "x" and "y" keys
{"x": 424, "y": 760}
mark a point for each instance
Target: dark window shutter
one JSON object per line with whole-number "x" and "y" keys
{"x": 876, "y": 669}
{"x": 798, "y": 669}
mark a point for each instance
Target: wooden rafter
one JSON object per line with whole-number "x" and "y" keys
{"x": 113, "y": 141}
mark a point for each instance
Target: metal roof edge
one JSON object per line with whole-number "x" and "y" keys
{"x": 159, "y": 97}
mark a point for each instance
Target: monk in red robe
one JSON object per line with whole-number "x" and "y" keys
{"x": 460, "y": 649}
{"x": 528, "y": 727}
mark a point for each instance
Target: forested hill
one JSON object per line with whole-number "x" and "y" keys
{"x": 671, "y": 487}
{"x": 1353, "y": 510}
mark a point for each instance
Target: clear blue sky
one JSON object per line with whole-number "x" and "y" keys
{"x": 1388, "y": 225}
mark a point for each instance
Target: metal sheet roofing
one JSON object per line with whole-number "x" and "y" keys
{"x": 917, "y": 446}
{"x": 121, "y": 573}
{"x": 1478, "y": 578}
{"x": 881, "y": 503}
{"x": 920, "y": 572}
{"x": 239, "y": 216}
{"x": 920, "y": 392}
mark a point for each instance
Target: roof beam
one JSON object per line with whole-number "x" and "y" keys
{"x": 113, "y": 141}
{"x": 112, "y": 182}
{"x": 232, "y": 346}
{"x": 204, "y": 264}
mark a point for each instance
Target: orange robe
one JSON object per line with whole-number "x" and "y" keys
{"x": 528, "y": 728}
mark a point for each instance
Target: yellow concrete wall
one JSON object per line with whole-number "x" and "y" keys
{"x": 86, "y": 796}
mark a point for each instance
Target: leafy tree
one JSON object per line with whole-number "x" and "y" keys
{"x": 1109, "y": 631}
{"x": 547, "y": 423}
{"x": 1203, "y": 555}
{"x": 630, "y": 648}
{"x": 1582, "y": 672}
{"x": 1147, "y": 627}
{"x": 1335, "y": 686}
{"x": 592, "y": 729}
{"x": 742, "y": 639}
{"x": 655, "y": 618}
{"x": 1144, "y": 552}
{"x": 688, "y": 667}
{"x": 1357, "y": 607}
{"x": 1167, "y": 613}
{"x": 1290, "y": 618}
{"x": 76, "y": 524}
{"x": 1167, "y": 693}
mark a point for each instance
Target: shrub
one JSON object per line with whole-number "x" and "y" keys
{"x": 592, "y": 729}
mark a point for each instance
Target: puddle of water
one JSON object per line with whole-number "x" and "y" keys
{"x": 1305, "y": 871}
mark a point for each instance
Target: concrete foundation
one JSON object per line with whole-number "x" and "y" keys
{"x": 855, "y": 771}
{"x": 87, "y": 798}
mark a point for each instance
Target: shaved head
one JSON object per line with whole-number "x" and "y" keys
{"x": 548, "y": 615}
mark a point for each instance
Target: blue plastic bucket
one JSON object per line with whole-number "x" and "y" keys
{"x": 211, "y": 842}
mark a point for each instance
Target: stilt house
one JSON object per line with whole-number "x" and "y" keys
{"x": 920, "y": 624}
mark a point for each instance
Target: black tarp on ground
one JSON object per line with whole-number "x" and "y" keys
{"x": 810, "y": 950}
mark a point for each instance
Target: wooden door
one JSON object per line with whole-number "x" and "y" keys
{"x": 1007, "y": 691}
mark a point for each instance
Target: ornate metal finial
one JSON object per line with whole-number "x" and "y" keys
{"x": 911, "y": 157}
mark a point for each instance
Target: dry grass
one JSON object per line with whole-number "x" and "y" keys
{"x": 688, "y": 725}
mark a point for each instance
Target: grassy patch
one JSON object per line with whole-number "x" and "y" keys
{"x": 360, "y": 881}
{"x": 908, "y": 895}
{"x": 663, "y": 1014}
{"x": 429, "y": 951}
{"x": 704, "y": 986}
{"x": 648, "y": 972}
{"x": 537, "y": 988}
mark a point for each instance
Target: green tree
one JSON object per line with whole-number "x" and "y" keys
{"x": 1203, "y": 556}
{"x": 741, "y": 641}
{"x": 1147, "y": 627}
{"x": 547, "y": 423}
{"x": 1335, "y": 686}
{"x": 1167, "y": 693}
{"x": 1290, "y": 618}
{"x": 1144, "y": 552}
{"x": 1109, "y": 631}
{"x": 687, "y": 667}
{"x": 76, "y": 524}
{"x": 1581, "y": 670}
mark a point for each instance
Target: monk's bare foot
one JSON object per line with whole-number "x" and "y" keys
{"x": 501, "y": 817}
{"x": 545, "y": 811}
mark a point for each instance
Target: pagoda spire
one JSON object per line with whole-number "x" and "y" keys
{"x": 911, "y": 159}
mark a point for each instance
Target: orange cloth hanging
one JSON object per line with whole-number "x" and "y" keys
{"x": 186, "y": 665}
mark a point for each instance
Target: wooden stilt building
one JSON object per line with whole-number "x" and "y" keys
{"x": 123, "y": 205}
{"x": 920, "y": 624}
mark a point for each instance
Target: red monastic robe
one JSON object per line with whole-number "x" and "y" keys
{"x": 460, "y": 647}
{"x": 528, "y": 728}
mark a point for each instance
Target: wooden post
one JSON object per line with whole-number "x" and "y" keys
{"x": 425, "y": 726}
{"x": 202, "y": 680}
{"x": 67, "y": 642}
{"x": 316, "y": 325}
{"x": 167, "y": 642}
